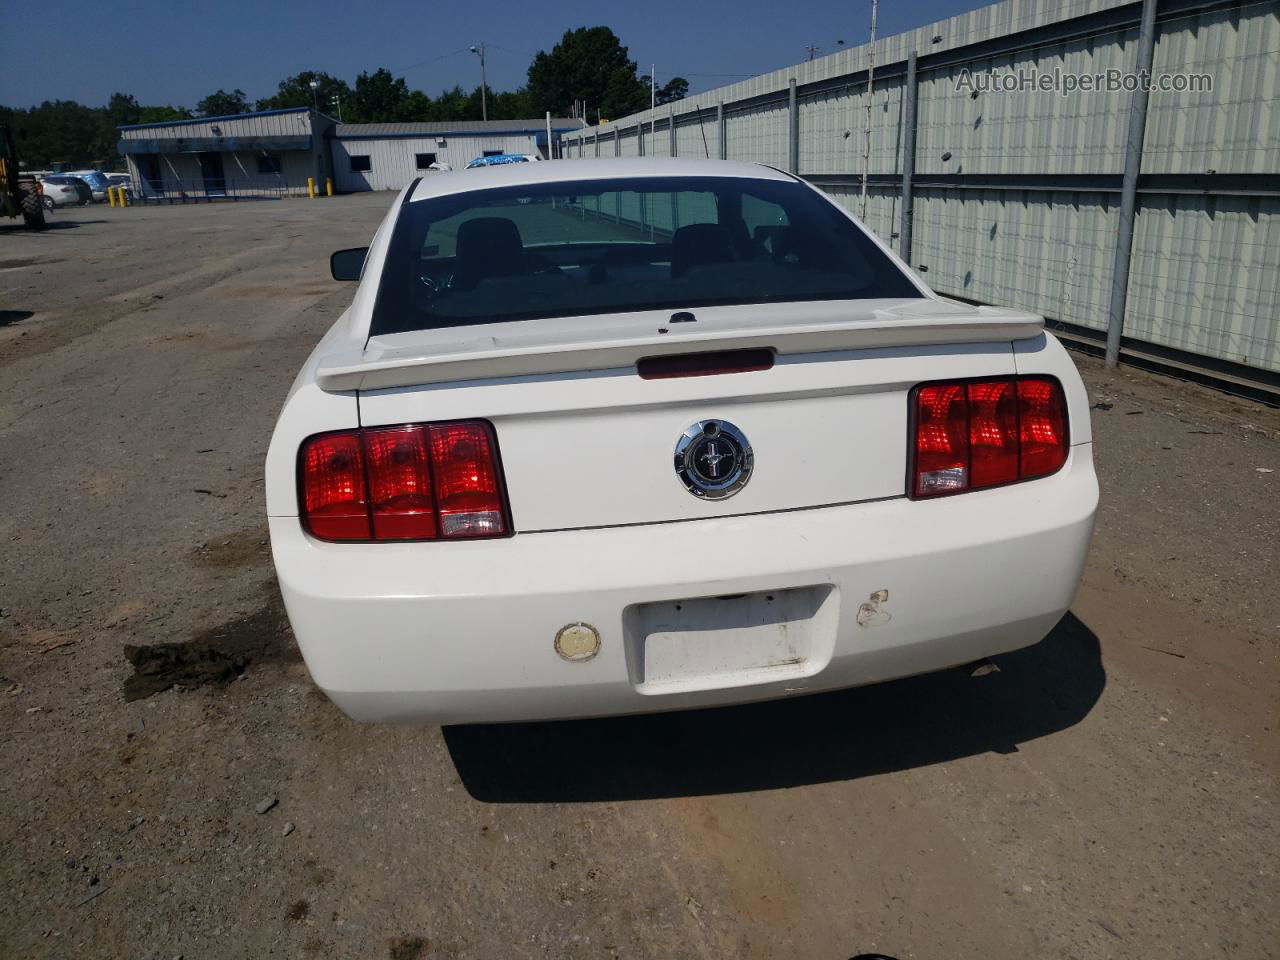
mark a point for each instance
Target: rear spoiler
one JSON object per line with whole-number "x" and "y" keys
{"x": 482, "y": 358}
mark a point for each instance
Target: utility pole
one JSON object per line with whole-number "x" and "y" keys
{"x": 871, "y": 76}
{"x": 337, "y": 102}
{"x": 1129, "y": 186}
{"x": 478, "y": 50}
{"x": 315, "y": 100}
{"x": 653, "y": 98}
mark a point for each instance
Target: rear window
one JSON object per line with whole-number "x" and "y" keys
{"x": 615, "y": 246}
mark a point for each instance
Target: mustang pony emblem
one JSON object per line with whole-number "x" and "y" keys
{"x": 713, "y": 459}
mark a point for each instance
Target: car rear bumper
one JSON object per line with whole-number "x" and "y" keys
{"x": 465, "y": 632}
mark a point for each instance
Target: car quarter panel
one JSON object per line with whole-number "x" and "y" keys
{"x": 1045, "y": 354}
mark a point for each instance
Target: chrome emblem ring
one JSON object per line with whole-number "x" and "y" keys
{"x": 713, "y": 459}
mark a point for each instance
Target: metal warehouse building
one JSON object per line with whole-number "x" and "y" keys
{"x": 1027, "y": 198}
{"x": 386, "y": 156}
{"x": 274, "y": 152}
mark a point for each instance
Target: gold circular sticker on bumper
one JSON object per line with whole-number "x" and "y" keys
{"x": 577, "y": 642}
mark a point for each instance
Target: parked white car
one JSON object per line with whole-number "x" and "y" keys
{"x": 61, "y": 191}
{"x": 613, "y": 436}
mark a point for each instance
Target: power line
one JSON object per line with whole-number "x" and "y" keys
{"x": 443, "y": 56}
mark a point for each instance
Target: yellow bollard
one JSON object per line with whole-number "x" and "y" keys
{"x": 124, "y": 196}
{"x": 328, "y": 186}
{"x": 111, "y": 196}
{"x": 311, "y": 187}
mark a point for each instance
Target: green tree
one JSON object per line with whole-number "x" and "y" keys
{"x": 61, "y": 131}
{"x": 121, "y": 110}
{"x": 223, "y": 104}
{"x": 378, "y": 98}
{"x": 160, "y": 114}
{"x": 296, "y": 91}
{"x": 590, "y": 64}
{"x": 510, "y": 105}
{"x": 416, "y": 108}
{"x": 453, "y": 104}
{"x": 677, "y": 88}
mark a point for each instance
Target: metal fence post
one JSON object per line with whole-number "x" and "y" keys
{"x": 908, "y": 157}
{"x": 673, "y": 132}
{"x": 724, "y": 138}
{"x": 1129, "y": 185}
{"x": 793, "y": 139}
{"x": 640, "y": 139}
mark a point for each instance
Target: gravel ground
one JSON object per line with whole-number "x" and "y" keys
{"x": 1110, "y": 792}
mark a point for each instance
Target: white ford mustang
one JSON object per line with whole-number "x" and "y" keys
{"x": 613, "y": 436}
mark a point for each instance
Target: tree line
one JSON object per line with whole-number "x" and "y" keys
{"x": 587, "y": 66}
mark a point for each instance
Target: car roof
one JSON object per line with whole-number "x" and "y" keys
{"x": 565, "y": 171}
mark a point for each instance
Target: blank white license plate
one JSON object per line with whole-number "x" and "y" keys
{"x": 734, "y": 640}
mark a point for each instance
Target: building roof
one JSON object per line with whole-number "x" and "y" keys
{"x": 230, "y": 116}
{"x": 378, "y": 131}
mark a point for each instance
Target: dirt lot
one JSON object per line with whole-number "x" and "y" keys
{"x": 1110, "y": 792}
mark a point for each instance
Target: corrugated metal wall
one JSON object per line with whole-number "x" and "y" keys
{"x": 393, "y": 162}
{"x": 1016, "y": 195}
{"x": 1237, "y": 129}
{"x": 1034, "y": 132}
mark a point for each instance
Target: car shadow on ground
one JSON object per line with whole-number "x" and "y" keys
{"x": 817, "y": 739}
{"x": 14, "y": 316}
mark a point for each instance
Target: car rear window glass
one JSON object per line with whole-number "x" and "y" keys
{"x": 615, "y": 246}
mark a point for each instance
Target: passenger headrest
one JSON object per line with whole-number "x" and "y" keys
{"x": 496, "y": 239}
{"x": 700, "y": 243}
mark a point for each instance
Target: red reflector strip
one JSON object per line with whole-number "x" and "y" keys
{"x": 409, "y": 482}
{"x": 977, "y": 434}
{"x": 705, "y": 364}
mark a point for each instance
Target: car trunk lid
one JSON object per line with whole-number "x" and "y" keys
{"x": 586, "y": 441}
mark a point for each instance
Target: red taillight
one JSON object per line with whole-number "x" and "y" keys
{"x": 334, "y": 499}
{"x": 993, "y": 433}
{"x": 1043, "y": 427}
{"x": 400, "y": 484}
{"x": 468, "y": 490}
{"x": 985, "y": 433}
{"x": 411, "y": 482}
{"x": 942, "y": 448}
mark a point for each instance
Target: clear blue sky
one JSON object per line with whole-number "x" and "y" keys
{"x": 179, "y": 52}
